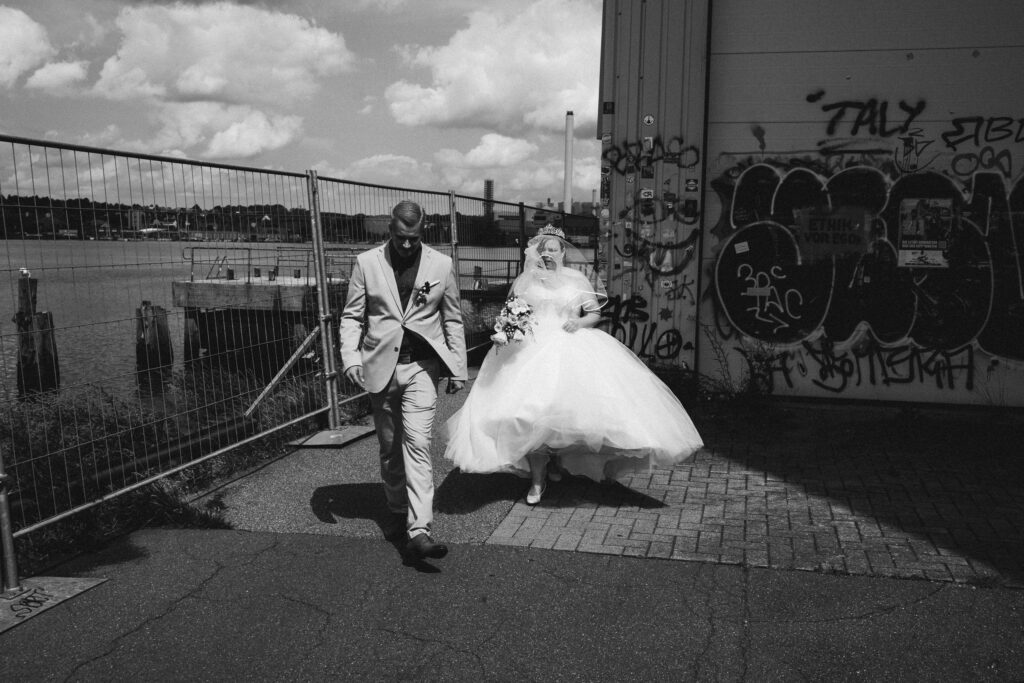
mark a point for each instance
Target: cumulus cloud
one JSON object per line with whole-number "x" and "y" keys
{"x": 494, "y": 150}
{"x": 369, "y": 105}
{"x": 385, "y": 5}
{"x": 58, "y": 77}
{"x": 222, "y": 131}
{"x": 528, "y": 179}
{"x": 221, "y": 79}
{"x": 219, "y": 52}
{"x": 387, "y": 169}
{"x": 587, "y": 166}
{"x": 254, "y": 133}
{"x": 24, "y": 45}
{"x": 109, "y": 136}
{"x": 512, "y": 68}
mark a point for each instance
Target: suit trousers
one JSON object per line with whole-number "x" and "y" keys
{"x": 403, "y": 414}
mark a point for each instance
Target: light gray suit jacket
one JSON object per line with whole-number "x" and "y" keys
{"x": 373, "y": 301}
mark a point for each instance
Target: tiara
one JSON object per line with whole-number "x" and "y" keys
{"x": 551, "y": 230}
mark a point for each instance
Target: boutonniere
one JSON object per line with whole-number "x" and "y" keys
{"x": 424, "y": 290}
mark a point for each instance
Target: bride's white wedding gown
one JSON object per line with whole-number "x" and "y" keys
{"x": 582, "y": 392}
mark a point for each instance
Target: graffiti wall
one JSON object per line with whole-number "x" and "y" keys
{"x": 848, "y": 221}
{"x": 867, "y": 229}
{"x": 653, "y": 248}
{"x": 651, "y": 169}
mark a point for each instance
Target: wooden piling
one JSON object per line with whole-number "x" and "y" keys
{"x": 193, "y": 341}
{"x": 38, "y": 367}
{"x": 153, "y": 349}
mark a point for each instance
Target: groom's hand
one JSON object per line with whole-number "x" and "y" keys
{"x": 455, "y": 386}
{"x": 355, "y": 375}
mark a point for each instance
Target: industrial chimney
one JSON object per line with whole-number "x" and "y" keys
{"x": 489, "y": 200}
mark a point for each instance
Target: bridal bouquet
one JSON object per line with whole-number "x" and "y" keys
{"x": 514, "y": 321}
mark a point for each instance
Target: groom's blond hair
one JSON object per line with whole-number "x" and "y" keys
{"x": 408, "y": 213}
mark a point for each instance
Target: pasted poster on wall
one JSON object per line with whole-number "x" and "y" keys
{"x": 924, "y": 232}
{"x": 822, "y": 234}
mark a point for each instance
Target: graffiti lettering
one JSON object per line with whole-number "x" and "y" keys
{"x": 870, "y": 115}
{"x": 968, "y": 163}
{"x": 628, "y": 321}
{"x": 866, "y": 290}
{"x": 869, "y": 315}
{"x": 32, "y": 601}
{"x": 634, "y": 156}
{"x": 646, "y": 341}
{"x": 661, "y": 259}
{"x": 979, "y": 130}
{"x": 618, "y": 310}
{"x": 682, "y": 289}
{"x": 767, "y": 303}
{"x": 876, "y": 365}
{"x": 908, "y": 159}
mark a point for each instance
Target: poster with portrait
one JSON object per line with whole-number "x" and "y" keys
{"x": 924, "y": 227}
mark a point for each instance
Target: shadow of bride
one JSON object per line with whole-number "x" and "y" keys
{"x": 575, "y": 491}
{"x": 462, "y": 493}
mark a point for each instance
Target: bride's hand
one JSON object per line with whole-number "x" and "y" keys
{"x": 499, "y": 338}
{"x": 570, "y": 326}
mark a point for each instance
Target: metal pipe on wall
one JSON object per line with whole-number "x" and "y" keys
{"x": 567, "y": 180}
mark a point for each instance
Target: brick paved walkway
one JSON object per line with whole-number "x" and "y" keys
{"x": 933, "y": 495}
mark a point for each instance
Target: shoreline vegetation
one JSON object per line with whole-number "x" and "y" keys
{"x": 108, "y": 443}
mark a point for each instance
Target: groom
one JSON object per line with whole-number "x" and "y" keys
{"x": 402, "y": 324}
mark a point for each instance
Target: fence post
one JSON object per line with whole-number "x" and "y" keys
{"x": 455, "y": 237}
{"x": 10, "y": 568}
{"x": 327, "y": 336}
{"x": 522, "y": 238}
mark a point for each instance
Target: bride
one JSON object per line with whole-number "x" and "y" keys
{"x": 566, "y": 388}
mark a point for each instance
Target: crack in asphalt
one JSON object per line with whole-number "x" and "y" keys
{"x": 707, "y": 581}
{"x": 328, "y": 618}
{"x": 192, "y": 593}
{"x": 171, "y": 607}
{"x": 444, "y": 644}
{"x": 871, "y": 614}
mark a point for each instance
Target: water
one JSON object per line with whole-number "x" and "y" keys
{"x": 93, "y": 289}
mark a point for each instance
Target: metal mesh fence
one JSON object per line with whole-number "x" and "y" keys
{"x": 146, "y": 318}
{"x": 164, "y": 311}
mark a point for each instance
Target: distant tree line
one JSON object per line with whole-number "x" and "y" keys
{"x": 35, "y": 217}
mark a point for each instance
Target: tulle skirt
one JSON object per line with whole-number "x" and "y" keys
{"x": 582, "y": 393}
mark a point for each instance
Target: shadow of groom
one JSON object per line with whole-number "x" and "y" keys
{"x": 365, "y": 501}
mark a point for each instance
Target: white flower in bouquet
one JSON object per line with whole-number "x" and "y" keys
{"x": 514, "y": 321}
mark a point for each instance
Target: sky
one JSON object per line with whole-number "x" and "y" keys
{"x": 422, "y": 94}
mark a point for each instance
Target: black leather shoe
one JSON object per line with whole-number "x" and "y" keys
{"x": 423, "y": 545}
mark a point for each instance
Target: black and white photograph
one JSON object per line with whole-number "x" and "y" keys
{"x": 511, "y": 340}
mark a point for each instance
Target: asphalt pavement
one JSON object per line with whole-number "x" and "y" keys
{"x": 665, "y": 578}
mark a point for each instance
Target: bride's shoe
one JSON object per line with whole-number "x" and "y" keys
{"x": 534, "y": 494}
